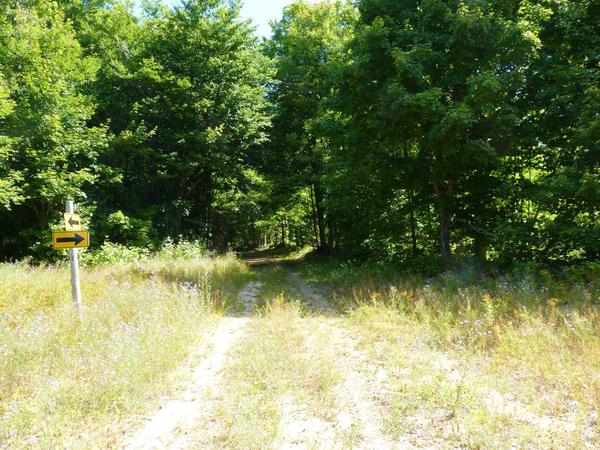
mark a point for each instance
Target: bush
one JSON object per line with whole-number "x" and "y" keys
{"x": 126, "y": 230}
{"x": 182, "y": 249}
{"x": 111, "y": 253}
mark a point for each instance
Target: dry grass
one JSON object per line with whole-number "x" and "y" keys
{"x": 66, "y": 383}
{"x": 486, "y": 363}
{"x": 459, "y": 361}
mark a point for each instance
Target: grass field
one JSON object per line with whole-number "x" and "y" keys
{"x": 505, "y": 360}
{"x": 462, "y": 360}
{"x": 69, "y": 383}
{"x": 458, "y": 361}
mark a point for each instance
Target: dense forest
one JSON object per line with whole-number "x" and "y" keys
{"x": 414, "y": 131}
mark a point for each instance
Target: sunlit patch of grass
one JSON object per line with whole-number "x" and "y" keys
{"x": 274, "y": 364}
{"x": 219, "y": 278}
{"x": 555, "y": 360}
{"x": 512, "y": 337}
{"x": 278, "y": 255}
{"x": 69, "y": 383}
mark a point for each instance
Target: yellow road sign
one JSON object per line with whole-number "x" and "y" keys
{"x": 70, "y": 239}
{"x": 72, "y": 222}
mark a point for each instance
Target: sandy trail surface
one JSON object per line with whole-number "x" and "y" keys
{"x": 169, "y": 427}
{"x": 358, "y": 423}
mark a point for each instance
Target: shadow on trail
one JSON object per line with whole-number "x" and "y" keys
{"x": 280, "y": 277}
{"x": 272, "y": 257}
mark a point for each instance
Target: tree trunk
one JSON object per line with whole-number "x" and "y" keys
{"x": 313, "y": 217}
{"x": 413, "y": 224}
{"x": 331, "y": 234}
{"x": 219, "y": 237}
{"x": 207, "y": 196}
{"x": 299, "y": 239}
{"x": 320, "y": 218}
{"x": 445, "y": 237}
{"x": 444, "y": 191}
{"x": 481, "y": 247}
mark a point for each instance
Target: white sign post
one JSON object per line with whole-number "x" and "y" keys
{"x": 75, "y": 286}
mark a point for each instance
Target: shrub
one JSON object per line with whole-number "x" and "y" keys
{"x": 111, "y": 253}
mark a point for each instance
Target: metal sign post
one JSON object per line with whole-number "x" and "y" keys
{"x": 75, "y": 285}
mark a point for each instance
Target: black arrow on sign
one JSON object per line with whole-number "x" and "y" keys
{"x": 73, "y": 222}
{"x": 76, "y": 238}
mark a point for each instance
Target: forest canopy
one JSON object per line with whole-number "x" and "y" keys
{"x": 416, "y": 131}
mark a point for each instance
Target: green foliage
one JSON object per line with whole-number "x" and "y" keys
{"x": 557, "y": 172}
{"x": 182, "y": 249}
{"x": 308, "y": 47}
{"x": 115, "y": 253}
{"x": 10, "y": 193}
{"x": 111, "y": 253}
{"x": 408, "y": 131}
{"x": 184, "y": 94}
{"x": 439, "y": 116}
{"x": 47, "y": 151}
{"x": 127, "y": 230}
{"x": 444, "y": 121}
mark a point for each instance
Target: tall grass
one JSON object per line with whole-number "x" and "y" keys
{"x": 70, "y": 383}
{"x": 532, "y": 338}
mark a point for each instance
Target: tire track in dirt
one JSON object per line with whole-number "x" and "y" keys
{"x": 362, "y": 397}
{"x": 299, "y": 429}
{"x": 312, "y": 294}
{"x": 361, "y": 391}
{"x": 170, "y": 426}
{"x": 358, "y": 422}
{"x": 248, "y": 295}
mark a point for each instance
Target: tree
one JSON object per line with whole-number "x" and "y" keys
{"x": 308, "y": 45}
{"x": 559, "y": 166}
{"x": 10, "y": 192}
{"x": 48, "y": 151}
{"x": 440, "y": 78}
{"x": 184, "y": 94}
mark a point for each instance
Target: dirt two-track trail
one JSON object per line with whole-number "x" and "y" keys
{"x": 192, "y": 417}
{"x": 175, "y": 422}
